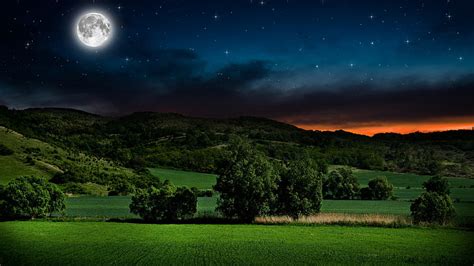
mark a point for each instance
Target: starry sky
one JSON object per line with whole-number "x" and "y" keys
{"x": 365, "y": 66}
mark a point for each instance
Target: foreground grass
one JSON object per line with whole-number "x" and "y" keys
{"x": 91, "y": 243}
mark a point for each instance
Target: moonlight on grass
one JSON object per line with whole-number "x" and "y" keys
{"x": 93, "y": 29}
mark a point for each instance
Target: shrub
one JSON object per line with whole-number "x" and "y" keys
{"x": 31, "y": 197}
{"x": 300, "y": 189}
{"x": 29, "y": 160}
{"x": 378, "y": 189}
{"x": 74, "y": 188}
{"x": 4, "y": 150}
{"x": 202, "y": 193}
{"x": 341, "y": 184}
{"x": 432, "y": 207}
{"x": 166, "y": 203}
{"x": 247, "y": 183}
{"x": 120, "y": 187}
{"x": 437, "y": 184}
{"x": 65, "y": 177}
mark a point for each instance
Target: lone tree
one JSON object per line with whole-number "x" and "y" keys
{"x": 432, "y": 207}
{"x": 435, "y": 205}
{"x": 341, "y": 184}
{"x": 300, "y": 189}
{"x": 437, "y": 184}
{"x": 31, "y": 197}
{"x": 166, "y": 203}
{"x": 247, "y": 183}
{"x": 378, "y": 189}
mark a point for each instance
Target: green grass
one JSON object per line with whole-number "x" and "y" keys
{"x": 367, "y": 206}
{"x": 185, "y": 178}
{"x": 12, "y": 167}
{"x": 397, "y": 179}
{"x": 403, "y": 180}
{"x": 90, "y": 206}
{"x": 92, "y": 243}
{"x": 118, "y": 207}
{"x": 460, "y": 187}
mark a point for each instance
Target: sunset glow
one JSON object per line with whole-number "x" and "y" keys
{"x": 403, "y": 128}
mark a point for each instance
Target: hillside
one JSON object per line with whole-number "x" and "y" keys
{"x": 34, "y": 157}
{"x": 170, "y": 140}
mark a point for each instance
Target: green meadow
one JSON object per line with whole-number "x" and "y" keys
{"x": 118, "y": 206}
{"x": 185, "y": 178}
{"x": 98, "y": 243}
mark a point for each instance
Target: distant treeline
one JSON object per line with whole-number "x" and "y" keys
{"x": 171, "y": 140}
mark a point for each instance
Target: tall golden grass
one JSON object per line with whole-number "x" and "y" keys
{"x": 340, "y": 219}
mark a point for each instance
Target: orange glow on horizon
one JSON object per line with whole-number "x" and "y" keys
{"x": 402, "y": 128}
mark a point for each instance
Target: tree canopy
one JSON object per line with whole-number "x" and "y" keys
{"x": 300, "y": 189}
{"x": 247, "y": 183}
{"x": 31, "y": 197}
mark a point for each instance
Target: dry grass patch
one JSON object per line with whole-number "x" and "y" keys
{"x": 340, "y": 219}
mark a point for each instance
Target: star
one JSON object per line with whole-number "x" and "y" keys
{"x": 227, "y": 52}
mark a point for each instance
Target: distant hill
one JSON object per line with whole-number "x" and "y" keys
{"x": 172, "y": 140}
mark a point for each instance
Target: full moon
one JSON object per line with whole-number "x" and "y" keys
{"x": 94, "y": 29}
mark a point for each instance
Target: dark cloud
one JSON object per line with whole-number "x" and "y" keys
{"x": 177, "y": 83}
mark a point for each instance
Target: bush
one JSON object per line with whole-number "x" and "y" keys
{"x": 437, "y": 184}
{"x": 66, "y": 177}
{"x": 432, "y": 207}
{"x": 247, "y": 183}
{"x": 4, "y": 150}
{"x": 300, "y": 189}
{"x": 166, "y": 203}
{"x": 31, "y": 197}
{"x": 120, "y": 187}
{"x": 341, "y": 184}
{"x": 378, "y": 189}
{"x": 202, "y": 193}
{"x": 74, "y": 188}
{"x": 29, "y": 160}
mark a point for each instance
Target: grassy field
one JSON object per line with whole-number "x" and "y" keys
{"x": 12, "y": 167}
{"x": 403, "y": 180}
{"x": 91, "y": 243}
{"x": 117, "y": 207}
{"x": 185, "y": 178}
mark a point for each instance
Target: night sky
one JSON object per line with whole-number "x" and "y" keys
{"x": 363, "y": 66}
